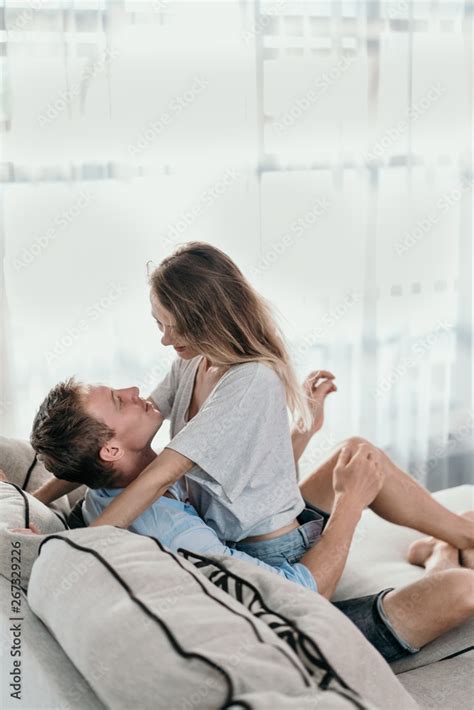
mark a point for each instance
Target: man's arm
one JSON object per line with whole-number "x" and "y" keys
{"x": 154, "y": 480}
{"x": 358, "y": 478}
{"x": 53, "y": 489}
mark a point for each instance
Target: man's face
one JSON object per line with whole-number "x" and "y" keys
{"x": 166, "y": 324}
{"x": 134, "y": 420}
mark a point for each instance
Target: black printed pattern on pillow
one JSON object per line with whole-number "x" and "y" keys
{"x": 176, "y": 645}
{"x": 329, "y": 678}
{"x": 303, "y": 645}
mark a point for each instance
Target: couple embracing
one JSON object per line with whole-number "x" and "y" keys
{"x": 226, "y": 482}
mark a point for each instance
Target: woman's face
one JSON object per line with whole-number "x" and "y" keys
{"x": 167, "y": 325}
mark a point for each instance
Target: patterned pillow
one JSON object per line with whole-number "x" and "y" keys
{"x": 161, "y": 629}
{"x": 326, "y": 642}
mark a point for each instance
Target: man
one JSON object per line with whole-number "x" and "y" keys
{"x": 102, "y": 437}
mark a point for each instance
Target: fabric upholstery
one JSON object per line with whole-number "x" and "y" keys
{"x": 49, "y": 679}
{"x": 18, "y": 551}
{"x": 18, "y": 461}
{"x": 161, "y": 629}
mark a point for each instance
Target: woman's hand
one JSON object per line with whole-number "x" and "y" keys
{"x": 317, "y": 386}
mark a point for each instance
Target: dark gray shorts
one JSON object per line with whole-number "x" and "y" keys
{"x": 368, "y": 614}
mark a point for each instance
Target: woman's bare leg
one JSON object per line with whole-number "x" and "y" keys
{"x": 402, "y": 501}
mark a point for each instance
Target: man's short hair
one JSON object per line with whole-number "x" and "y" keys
{"x": 68, "y": 440}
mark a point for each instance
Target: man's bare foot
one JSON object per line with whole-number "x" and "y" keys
{"x": 467, "y": 556}
{"x": 443, "y": 557}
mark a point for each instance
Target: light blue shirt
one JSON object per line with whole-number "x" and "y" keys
{"x": 177, "y": 525}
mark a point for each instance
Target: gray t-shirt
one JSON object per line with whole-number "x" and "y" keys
{"x": 244, "y": 479}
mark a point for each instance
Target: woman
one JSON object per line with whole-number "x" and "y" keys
{"x": 231, "y": 448}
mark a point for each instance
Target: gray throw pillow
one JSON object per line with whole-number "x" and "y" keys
{"x": 18, "y": 551}
{"x": 20, "y": 465}
{"x": 162, "y": 632}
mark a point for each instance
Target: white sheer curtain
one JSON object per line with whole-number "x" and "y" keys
{"x": 324, "y": 145}
{"x": 364, "y": 107}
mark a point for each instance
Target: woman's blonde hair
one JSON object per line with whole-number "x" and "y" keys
{"x": 222, "y": 316}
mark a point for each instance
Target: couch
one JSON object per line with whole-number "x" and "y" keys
{"x": 113, "y": 619}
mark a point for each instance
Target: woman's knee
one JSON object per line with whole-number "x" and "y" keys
{"x": 353, "y": 443}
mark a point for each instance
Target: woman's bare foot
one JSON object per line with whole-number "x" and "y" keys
{"x": 444, "y": 557}
{"x": 420, "y": 551}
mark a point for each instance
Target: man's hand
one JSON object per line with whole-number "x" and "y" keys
{"x": 359, "y": 474}
{"x": 358, "y": 477}
{"x": 317, "y": 386}
{"x": 32, "y": 530}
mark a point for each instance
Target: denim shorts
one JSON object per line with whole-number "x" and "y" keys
{"x": 291, "y": 546}
{"x": 367, "y": 613}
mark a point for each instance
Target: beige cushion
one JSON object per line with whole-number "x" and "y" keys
{"x": 18, "y": 551}
{"x": 17, "y": 460}
{"x": 167, "y": 634}
{"x": 377, "y": 560}
{"x": 49, "y": 679}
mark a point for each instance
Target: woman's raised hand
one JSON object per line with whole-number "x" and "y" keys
{"x": 317, "y": 386}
